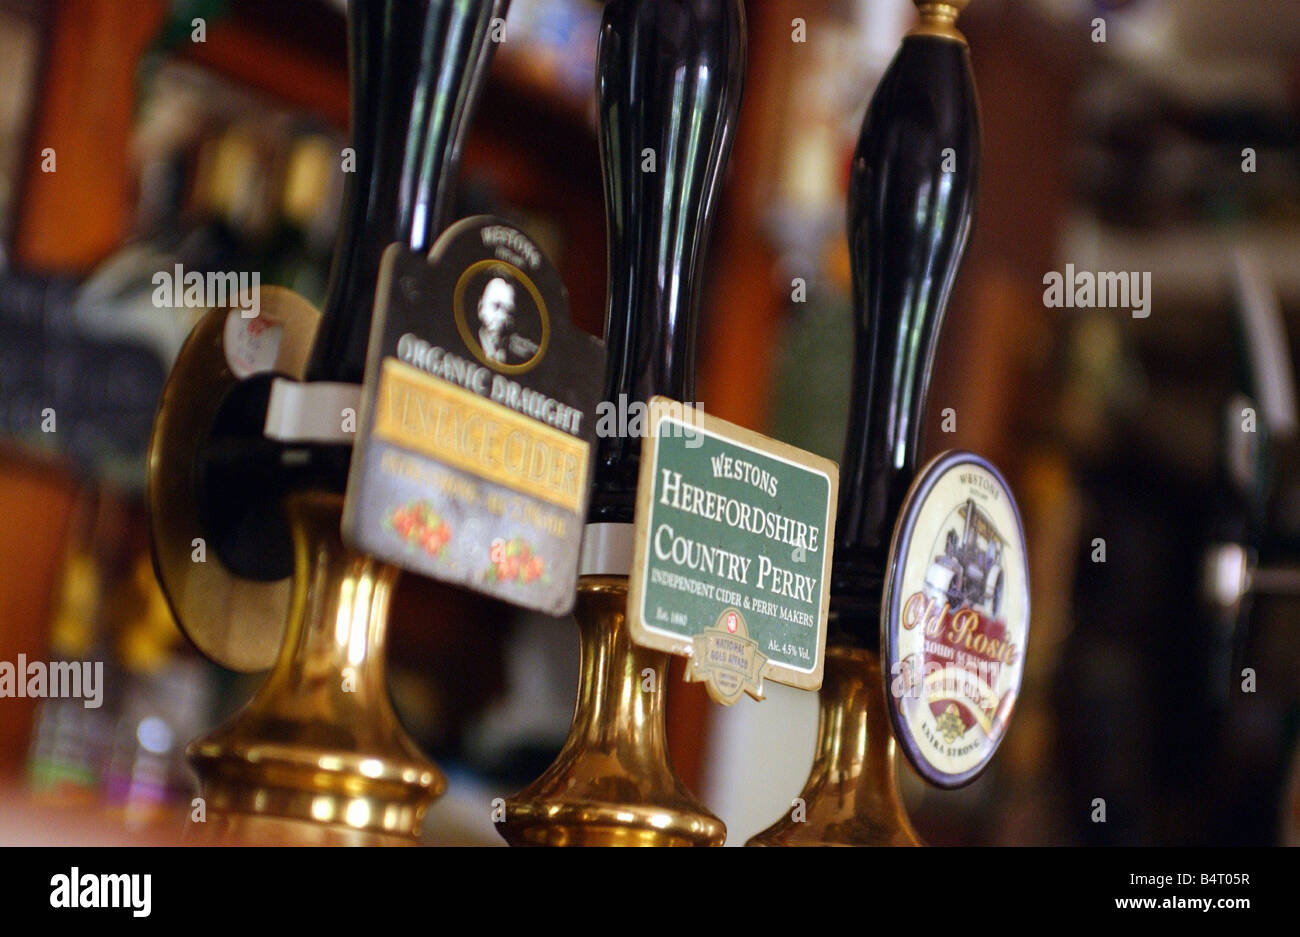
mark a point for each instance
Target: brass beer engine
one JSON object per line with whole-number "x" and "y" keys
{"x": 318, "y": 755}
{"x": 911, "y": 200}
{"x": 669, "y": 77}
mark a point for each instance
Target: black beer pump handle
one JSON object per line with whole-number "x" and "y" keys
{"x": 912, "y": 196}
{"x": 417, "y": 69}
{"x": 669, "y": 77}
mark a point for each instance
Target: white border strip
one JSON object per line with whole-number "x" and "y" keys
{"x": 311, "y": 412}
{"x": 607, "y": 550}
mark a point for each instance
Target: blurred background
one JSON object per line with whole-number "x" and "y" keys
{"x": 1155, "y": 458}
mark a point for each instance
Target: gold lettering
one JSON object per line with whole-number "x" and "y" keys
{"x": 934, "y": 621}
{"x": 458, "y": 427}
{"x": 966, "y": 631}
{"x": 912, "y": 610}
{"x": 963, "y": 624}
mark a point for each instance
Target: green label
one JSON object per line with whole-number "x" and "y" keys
{"x": 732, "y": 552}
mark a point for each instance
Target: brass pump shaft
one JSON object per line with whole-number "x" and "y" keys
{"x": 669, "y": 77}
{"x": 318, "y": 755}
{"x": 911, "y": 203}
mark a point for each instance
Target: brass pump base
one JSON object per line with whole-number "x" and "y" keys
{"x": 612, "y": 783}
{"x": 851, "y": 796}
{"x": 318, "y": 755}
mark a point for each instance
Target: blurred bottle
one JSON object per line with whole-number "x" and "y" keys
{"x": 122, "y": 339}
{"x": 233, "y": 200}
{"x": 298, "y": 250}
{"x": 223, "y": 230}
{"x": 164, "y": 696}
{"x": 67, "y": 749}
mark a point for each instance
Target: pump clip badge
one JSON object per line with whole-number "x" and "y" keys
{"x": 477, "y": 421}
{"x": 955, "y": 617}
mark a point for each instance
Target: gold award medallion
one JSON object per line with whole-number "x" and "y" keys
{"x": 727, "y": 661}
